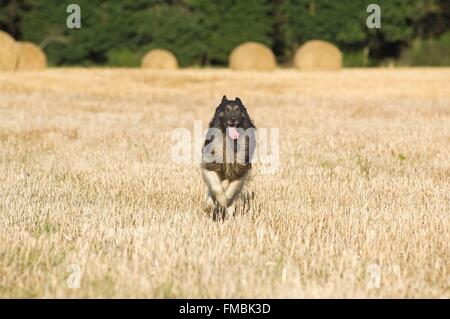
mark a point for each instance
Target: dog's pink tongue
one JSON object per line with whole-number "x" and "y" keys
{"x": 233, "y": 133}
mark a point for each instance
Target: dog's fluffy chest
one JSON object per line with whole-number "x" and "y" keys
{"x": 227, "y": 157}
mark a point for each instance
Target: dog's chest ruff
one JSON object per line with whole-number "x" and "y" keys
{"x": 230, "y": 159}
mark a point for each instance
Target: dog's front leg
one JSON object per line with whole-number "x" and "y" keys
{"x": 233, "y": 189}
{"x": 210, "y": 200}
{"x": 231, "y": 192}
{"x": 231, "y": 205}
{"x": 213, "y": 181}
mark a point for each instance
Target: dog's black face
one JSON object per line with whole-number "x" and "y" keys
{"x": 231, "y": 114}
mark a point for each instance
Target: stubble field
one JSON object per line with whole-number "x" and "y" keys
{"x": 360, "y": 205}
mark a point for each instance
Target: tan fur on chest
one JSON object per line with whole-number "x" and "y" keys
{"x": 228, "y": 161}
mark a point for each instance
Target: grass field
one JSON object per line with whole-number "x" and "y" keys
{"x": 360, "y": 206}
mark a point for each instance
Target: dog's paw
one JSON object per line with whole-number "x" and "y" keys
{"x": 210, "y": 202}
{"x": 231, "y": 210}
{"x": 219, "y": 213}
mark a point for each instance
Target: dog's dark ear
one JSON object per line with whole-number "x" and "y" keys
{"x": 238, "y": 100}
{"x": 224, "y": 99}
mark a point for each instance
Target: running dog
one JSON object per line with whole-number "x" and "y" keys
{"x": 227, "y": 154}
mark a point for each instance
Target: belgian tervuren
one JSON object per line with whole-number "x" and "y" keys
{"x": 227, "y": 155}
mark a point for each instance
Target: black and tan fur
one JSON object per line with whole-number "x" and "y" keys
{"x": 227, "y": 162}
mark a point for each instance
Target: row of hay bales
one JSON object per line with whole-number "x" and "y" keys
{"x": 20, "y": 55}
{"x": 313, "y": 55}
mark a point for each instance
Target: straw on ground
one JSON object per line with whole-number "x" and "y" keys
{"x": 88, "y": 188}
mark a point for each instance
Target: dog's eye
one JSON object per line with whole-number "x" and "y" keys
{"x": 232, "y": 107}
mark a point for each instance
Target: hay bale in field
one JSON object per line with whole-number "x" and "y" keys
{"x": 8, "y": 52}
{"x": 159, "y": 59}
{"x": 252, "y": 56}
{"x": 31, "y": 57}
{"x": 318, "y": 55}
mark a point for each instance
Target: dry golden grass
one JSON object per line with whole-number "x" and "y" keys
{"x": 86, "y": 178}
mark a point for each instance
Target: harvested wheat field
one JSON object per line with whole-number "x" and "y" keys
{"x": 92, "y": 204}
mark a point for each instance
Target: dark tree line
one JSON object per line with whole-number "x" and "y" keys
{"x": 203, "y": 32}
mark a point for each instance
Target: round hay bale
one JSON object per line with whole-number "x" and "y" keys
{"x": 318, "y": 55}
{"x": 31, "y": 57}
{"x": 159, "y": 59}
{"x": 8, "y": 52}
{"x": 252, "y": 56}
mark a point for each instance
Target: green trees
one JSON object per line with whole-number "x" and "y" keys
{"x": 158, "y": 25}
{"x": 340, "y": 22}
{"x": 203, "y": 32}
{"x": 399, "y": 19}
{"x": 44, "y": 23}
{"x": 227, "y": 23}
{"x": 344, "y": 23}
